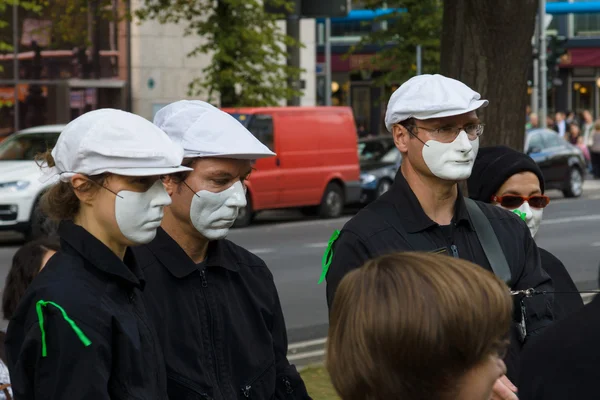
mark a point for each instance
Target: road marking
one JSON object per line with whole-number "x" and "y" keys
{"x": 582, "y": 218}
{"x": 594, "y": 197}
{"x": 587, "y": 297}
{"x": 308, "y": 354}
{"x": 316, "y": 245}
{"x": 596, "y": 244}
{"x": 308, "y": 343}
{"x": 261, "y": 251}
{"x": 292, "y": 224}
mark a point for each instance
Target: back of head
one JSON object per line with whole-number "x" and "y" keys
{"x": 410, "y": 325}
{"x": 493, "y": 166}
{"x": 26, "y": 264}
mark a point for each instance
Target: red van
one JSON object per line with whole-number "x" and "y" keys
{"x": 316, "y": 167}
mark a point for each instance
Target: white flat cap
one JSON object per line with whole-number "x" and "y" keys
{"x": 431, "y": 96}
{"x": 114, "y": 141}
{"x": 205, "y": 131}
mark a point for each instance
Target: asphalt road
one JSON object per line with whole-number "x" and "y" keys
{"x": 292, "y": 247}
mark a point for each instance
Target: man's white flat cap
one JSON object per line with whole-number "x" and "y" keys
{"x": 114, "y": 141}
{"x": 205, "y": 131}
{"x": 431, "y": 96}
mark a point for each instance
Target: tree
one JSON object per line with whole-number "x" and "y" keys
{"x": 487, "y": 45}
{"x": 248, "y": 49}
{"x": 6, "y": 19}
{"x": 419, "y": 23}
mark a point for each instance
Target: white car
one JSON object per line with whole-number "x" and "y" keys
{"x": 20, "y": 188}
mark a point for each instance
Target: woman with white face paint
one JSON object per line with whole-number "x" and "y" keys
{"x": 512, "y": 180}
{"x": 81, "y": 329}
{"x": 433, "y": 120}
{"x": 213, "y": 303}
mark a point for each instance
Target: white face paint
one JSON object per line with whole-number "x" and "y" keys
{"x": 533, "y": 216}
{"x": 139, "y": 214}
{"x": 451, "y": 161}
{"x": 212, "y": 214}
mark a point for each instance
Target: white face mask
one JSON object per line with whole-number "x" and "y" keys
{"x": 451, "y": 161}
{"x": 139, "y": 214}
{"x": 531, "y": 216}
{"x": 212, "y": 214}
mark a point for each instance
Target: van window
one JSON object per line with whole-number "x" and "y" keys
{"x": 261, "y": 126}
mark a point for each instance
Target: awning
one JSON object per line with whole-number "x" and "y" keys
{"x": 581, "y": 57}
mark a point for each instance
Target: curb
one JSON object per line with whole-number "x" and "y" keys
{"x": 312, "y": 352}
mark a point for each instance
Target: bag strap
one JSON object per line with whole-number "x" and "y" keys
{"x": 489, "y": 241}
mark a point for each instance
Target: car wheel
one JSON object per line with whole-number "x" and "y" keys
{"x": 332, "y": 203}
{"x": 575, "y": 184}
{"x": 245, "y": 215}
{"x": 383, "y": 187}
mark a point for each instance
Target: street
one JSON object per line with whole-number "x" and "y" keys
{"x": 292, "y": 246}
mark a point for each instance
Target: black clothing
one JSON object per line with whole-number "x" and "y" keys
{"x": 567, "y": 300}
{"x": 493, "y": 166}
{"x": 562, "y": 363}
{"x": 374, "y": 232}
{"x": 102, "y": 296}
{"x": 220, "y": 323}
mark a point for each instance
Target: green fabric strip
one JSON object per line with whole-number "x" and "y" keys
{"x": 38, "y": 307}
{"x": 520, "y": 214}
{"x": 328, "y": 256}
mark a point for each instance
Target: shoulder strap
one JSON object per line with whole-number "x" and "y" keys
{"x": 489, "y": 241}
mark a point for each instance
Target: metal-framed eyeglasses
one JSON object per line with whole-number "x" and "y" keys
{"x": 448, "y": 134}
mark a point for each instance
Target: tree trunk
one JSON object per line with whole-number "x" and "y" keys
{"x": 226, "y": 90}
{"x": 487, "y": 45}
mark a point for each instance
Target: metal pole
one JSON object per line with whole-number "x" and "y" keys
{"x": 293, "y": 31}
{"x": 418, "y": 59}
{"x": 16, "y": 62}
{"x": 543, "y": 112}
{"x": 327, "y": 61}
{"x": 535, "y": 92}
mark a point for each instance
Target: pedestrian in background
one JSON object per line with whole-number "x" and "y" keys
{"x": 595, "y": 149}
{"x": 512, "y": 180}
{"x": 573, "y": 134}
{"x": 214, "y": 304}
{"x": 415, "y": 326}
{"x": 435, "y": 126}
{"x": 81, "y": 330}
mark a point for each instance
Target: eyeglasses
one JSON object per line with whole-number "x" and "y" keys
{"x": 513, "y": 201}
{"x": 448, "y": 134}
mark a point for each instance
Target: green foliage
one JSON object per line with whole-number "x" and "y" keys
{"x": 248, "y": 66}
{"x": 420, "y": 24}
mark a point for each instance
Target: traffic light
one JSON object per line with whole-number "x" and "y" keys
{"x": 556, "y": 49}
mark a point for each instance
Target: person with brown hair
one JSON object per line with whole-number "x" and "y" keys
{"x": 416, "y": 326}
{"x": 81, "y": 330}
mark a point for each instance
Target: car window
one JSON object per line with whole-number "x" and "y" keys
{"x": 552, "y": 140}
{"x": 261, "y": 126}
{"x": 374, "y": 150}
{"x": 391, "y": 156}
{"x": 24, "y": 147}
{"x": 535, "y": 142}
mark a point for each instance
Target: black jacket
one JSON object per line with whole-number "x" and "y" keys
{"x": 567, "y": 300}
{"x": 562, "y": 363}
{"x": 220, "y": 323}
{"x": 373, "y": 232}
{"x": 102, "y": 346}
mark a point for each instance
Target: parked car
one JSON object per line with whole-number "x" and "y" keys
{"x": 562, "y": 164}
{"x": 316, "y": 168}
{"x": 379, "y": 162}
{"x": 20, "y": 188}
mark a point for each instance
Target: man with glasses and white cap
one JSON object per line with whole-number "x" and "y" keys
{"x": 214, "y": 304}
{"x": 434, "y": 123}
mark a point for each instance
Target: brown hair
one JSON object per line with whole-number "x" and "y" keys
{"x": 60, "y": 201}
{"x": 410, "y": 325}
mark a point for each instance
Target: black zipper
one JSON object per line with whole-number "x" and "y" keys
{"x": 188, "y": 384}
{"x": 248, "y": 386}
{"x": 211, "y": 330}
{"x": 454, "y": 251}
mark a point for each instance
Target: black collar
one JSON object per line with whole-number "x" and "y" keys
{"x": 408, "y": 207}
{"x": 98, "y": 255}
{"x": 175, "y": 259}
